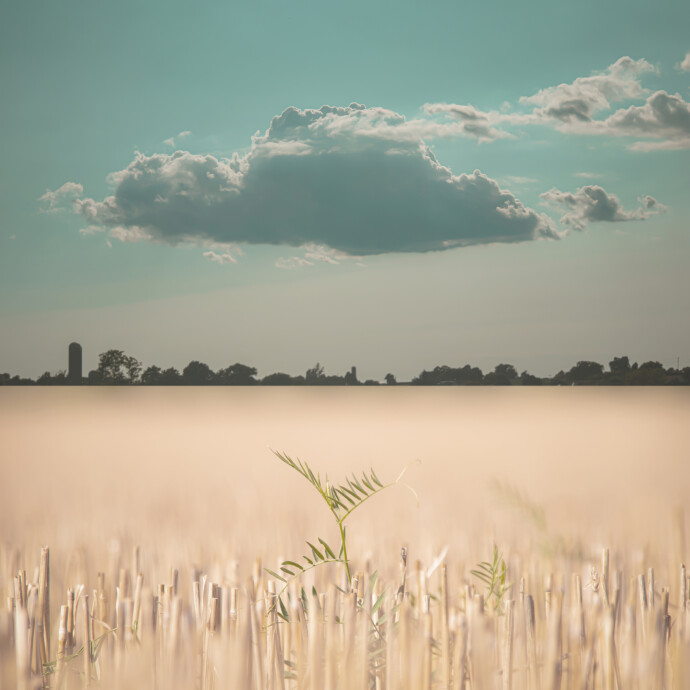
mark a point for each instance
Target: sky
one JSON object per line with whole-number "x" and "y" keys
{"x": 393, "y": 186}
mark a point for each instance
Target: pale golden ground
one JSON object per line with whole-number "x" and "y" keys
{"x": 608, "y": 466}
{"x": 188, "y": 476}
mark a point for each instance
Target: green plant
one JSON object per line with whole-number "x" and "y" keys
{"x": 493, "y": 575}
{"x": 95, "y": 646}
{"x": 342, "y": 500}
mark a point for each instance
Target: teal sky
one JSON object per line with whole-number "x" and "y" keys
{"x": 149, "y": 204}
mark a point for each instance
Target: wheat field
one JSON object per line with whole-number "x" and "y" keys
{"x": 142, "y": 534}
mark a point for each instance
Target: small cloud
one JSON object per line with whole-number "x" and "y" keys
{"x": 574, "y": 104}
{"x": 518, "y": 180}
{"x": 13, "y": 237}
{"x": 315, "y": 252}
{"x": 664, "y": 116}
{"x": 54, "y": 201}
{"x": 593, "y": 204}
{"x": 224, "y": 258}
{"x": 171, "y": 141}
{"x": 130, "y": 234}
{"x": 685, "y": 64}
{"x": 461, "y": 120}
{"x": 588, "y": 175}
{"x": 109, "y": 243}
{"x": 651, "y": 204}
{"x": 90, "y": 230}
{"x": 292, "y": 262}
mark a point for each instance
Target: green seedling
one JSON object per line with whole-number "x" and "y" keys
{"x": 342, "y": 500}
{"x": 493, "y": 575}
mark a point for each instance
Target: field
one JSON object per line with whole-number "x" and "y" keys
{"x": 139, "y": 524}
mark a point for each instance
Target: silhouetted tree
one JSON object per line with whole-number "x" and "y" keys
{"x": 151, "y": 376}
{"x": 314, "y": 375}
{"x": 197, "y": 374}
{"x": 528, "y": 380}
{"x": 619, "y": 365}
{"x": 117, "y": 368}
{"x": 237, "y": 375}
{"x": 648, "y": 374}
{"x": 170, "y": 377}
{"x": 445, "y": 375}
{"x": 502, "y": 375}
{"x": 48, "y": 379}
{"x": 585, "y": 372}
{"x": 281, "y": 379}
{"x": 507, "y": 370}
{"x": 391, "y": 380}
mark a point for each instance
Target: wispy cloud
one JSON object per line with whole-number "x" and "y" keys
{"x": 292, "y": 262}
{"x": 224, "y": 258}
{"x": 519, "y": 180}
{"x": 172, "y": 140}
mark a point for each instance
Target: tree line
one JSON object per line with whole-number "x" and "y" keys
{"x": 117, "y": 368}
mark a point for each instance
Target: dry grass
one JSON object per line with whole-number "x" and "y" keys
{"x": 157, "y": 565}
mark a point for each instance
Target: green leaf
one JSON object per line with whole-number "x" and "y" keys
{"x": 375, "y": 478}
{"x": 358, "y": 486}
{"x": 353, "y": 488}
{"x": 349, "y": 495}
{"x": 378, "y": 603}
{"x": 327, "y": 548}
{"x": 283, "y": 610}
{"x": 372, "y": 580}
{"x": 391, "y": 612}
{"x": 293, "y": 564}
{"x": 316, "y": 553}
{"x": 333, "y": 497}
{"x": 287, "y": 570}
{"x": 272, "y": 574}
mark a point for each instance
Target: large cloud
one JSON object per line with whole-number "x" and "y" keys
{"x": 357, "y": 180}
{"x": 593, "y": 204}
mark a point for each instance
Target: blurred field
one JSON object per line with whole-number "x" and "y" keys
{"x": 188, "y": 476}
{"x": 604, "y": 464}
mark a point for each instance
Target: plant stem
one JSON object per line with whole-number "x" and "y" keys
{"x": 342, "y": 541}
